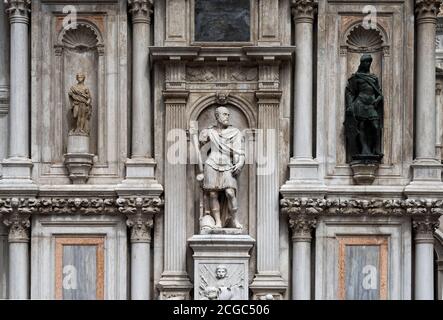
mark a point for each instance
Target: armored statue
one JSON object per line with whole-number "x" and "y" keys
{"x": 364, "y": 113}
{"x": 218, "y": 176}
{"x": 81, "y": 108}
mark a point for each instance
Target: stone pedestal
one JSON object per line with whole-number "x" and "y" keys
{"x": 78, "y": 160}
{"x": 364, "y": 173}
{"x": 221, "y": 266}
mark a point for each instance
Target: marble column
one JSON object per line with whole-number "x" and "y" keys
{"x": 18, "y": 222}
{"x": 17, "y": 168}
{"x": 426, "y": 167}
{"x": 424, "y": 228}
{"x": 141, "y": 226}
{"x": 140, "y": 167}
{"x": 303, "y": 168}
{"x": 302, "y": 227}
{"x": 268, "y": 279}
{"x": 174, "y": 282}
{"x": 140, "y": 212}
{"x": 4, "y": 81}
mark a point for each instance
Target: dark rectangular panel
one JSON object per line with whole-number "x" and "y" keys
{"x": 222, "y": 20}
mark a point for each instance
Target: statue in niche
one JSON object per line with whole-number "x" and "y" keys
{"x": 81, "y": 108}
{"x": 364, "y": 113}
{"x": 218, "y": 175}
{"x": 221, "y": 287}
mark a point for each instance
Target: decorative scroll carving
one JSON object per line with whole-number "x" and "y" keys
{"x": 140, "y": 213}
{"x": 17, "y": 213}
{"x": 201, "y": 74}
{"x": 244, "y": 74}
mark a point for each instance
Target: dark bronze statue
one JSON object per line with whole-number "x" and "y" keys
{"x": 364, "y": 114}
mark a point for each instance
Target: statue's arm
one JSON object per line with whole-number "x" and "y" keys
{"x": 203, "y": 137}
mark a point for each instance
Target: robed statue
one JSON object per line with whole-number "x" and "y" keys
{"x": 218, "y": 174}
{"x": 81, "y": 108}
{"x": 364, "y": 114}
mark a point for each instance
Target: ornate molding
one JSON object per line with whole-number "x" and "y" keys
{"x": 77, "y": 206}
{"x": 303, "y": 10}
{"x": 18, "y": 10}
{"x": 140, "y": 212}
{"x": 355, "y": 207}
{"x": 141, "y": 10}
{"x": 302, "y": 226}
{"x": 427, "y": 10}
{"x": 16, "y": 212}
{"x": 425, "y": 225}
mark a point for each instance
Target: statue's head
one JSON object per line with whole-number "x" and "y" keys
{"x": 221, "y": 271}
{"x": 222, "y": 115}
{"x": 365, "y": 63}
{"x": 80, "y": 77}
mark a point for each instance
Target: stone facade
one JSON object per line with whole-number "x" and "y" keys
{"x": 114, "y": 207}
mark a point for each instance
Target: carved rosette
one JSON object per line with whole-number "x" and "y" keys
{"x": 303, "y": 10}
{"x": 18, "y": 10}
{"x": 140, "y": 10}
{"x": 140, "y": 214}
{"x": 16, "y": 213}
{"x": 427, "y": 10}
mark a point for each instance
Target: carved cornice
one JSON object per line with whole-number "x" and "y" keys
{"x": 140, "y": 10}
{"x": 140, "y": 212}
{"x": 355, "y": 207}
{"x": 427, "y": 10}
{"x": 16, "y": 213}
{"x": 18, "y": 10}
{"x": 303, "y": 10}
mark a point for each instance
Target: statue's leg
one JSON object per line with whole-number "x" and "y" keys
{"x": 233, "y": 207}
{"x": 363, "y": 137}
{"x": 377, "y": 136}
{"x": 215, "y": 208}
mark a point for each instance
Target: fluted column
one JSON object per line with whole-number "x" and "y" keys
{"x": 426, "y": 167}
{"x": 268, "y": 279}
{"x": 424, "y": 228}
{"x": 18, "y": 166}
{"x": 174, "y": 282}
{"x": 140, "y": 219}
{"x": 17, "y": 214}
{"x": 302, "y": 226}
{"x": 141, "y": 164}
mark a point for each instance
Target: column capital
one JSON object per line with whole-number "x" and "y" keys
{"x": 16, "y": 216}
{"x": 18, "y": 10}
{"x": 427, "y": 10}
{"x": 141, "y": 10}
{"x": 303, "y": 10}
{"x": 302, "y": 226}
{"x": 425, "y": 226}
{"x": 140, "y": 212}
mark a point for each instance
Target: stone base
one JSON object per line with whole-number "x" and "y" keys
{"x": 364, "y": 173}
{"x": 78, "y": 143}
{"x": 174, "y": 286}
{"x": 140, "y": 175}
{"x": 426, "y": 171}
{"x": 268, "y": 286}
{"x": 16, "y": 171}
{"x": 225, "y": 231}
{"x": 216, "y": 252}
{"x": 303, "y": 171}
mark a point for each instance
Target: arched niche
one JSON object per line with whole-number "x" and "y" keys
{"x": 80, "y": 49}
{"x": 243, "y": 118}
{"x": 356, "y": 41}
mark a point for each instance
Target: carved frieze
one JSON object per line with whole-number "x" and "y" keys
{"x": 221, "y": 281}
{"x": 221, "y": 74}
{"x": 77, "y": 206}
